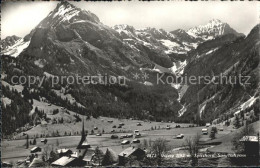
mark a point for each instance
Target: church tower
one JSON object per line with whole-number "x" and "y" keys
{"x": 83, "y": 144}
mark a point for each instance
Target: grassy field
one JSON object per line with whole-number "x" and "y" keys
{"x": 14, "y": 150}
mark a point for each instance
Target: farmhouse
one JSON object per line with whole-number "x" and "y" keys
{"x": 65, "y": 161}
{"x": 124, "y": 156}
{"x": 204, "y": 131}
{"x": 37, "y": 163}
{"x": 36, "y": 149}
{"x": 64, "y": 152}
{"x": 251, "y": 144}
{"x": 88, "y": 160}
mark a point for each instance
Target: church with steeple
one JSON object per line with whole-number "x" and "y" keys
{"x": 83, "y": 145}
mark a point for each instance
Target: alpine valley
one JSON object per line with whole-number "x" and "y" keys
{"x": 71, "y": 41}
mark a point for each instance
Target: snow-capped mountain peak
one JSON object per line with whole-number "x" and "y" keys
{"x": 66, "y": 13}
{"x": 65, "y": 9}
{"x": 211, "y": 30}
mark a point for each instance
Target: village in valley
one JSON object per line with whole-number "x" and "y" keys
{"x": 164, "y": 143}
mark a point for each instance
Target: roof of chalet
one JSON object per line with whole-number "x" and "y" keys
{"x": 37, "y": 163}
{"x": 63, "y": 161}
{"x": 128, "y": 151}
{"x": 34, "y": 148}
{"x": 64, "y": 150}
{"x": 249, "y": 139}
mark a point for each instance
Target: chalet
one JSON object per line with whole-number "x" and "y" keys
{"x": 124, "y": 156}
{"x": 125, "y": 142}
{"x": 64, "y": 152}
{"x": 44, "y": 141}
{"x": 204, "y": 131}
{"x": 37, "y": 163}
{"x": 6, "y": 164}
{"x": 114, "y": 136}
{"x": 65, "y": 161}
{"x": 88, "y": 160}
{"x": 136, "y": 141}
{"x": 36, "y": 149}
{"x": 180, "y": 136}
{"x": 139, "y": 124}
{"x": 251, "y": 144}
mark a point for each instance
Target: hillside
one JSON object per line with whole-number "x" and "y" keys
{"x": 73, "y": 42}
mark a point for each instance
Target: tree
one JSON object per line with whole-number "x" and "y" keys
{"x": 242, "y": 114}
{"x": 158, "y": 148}
{"x": 213, "y": 132}
{"x": 212, "y": 135}
{"x": 98, "y": 155}
{"x": 236, "y": 122}
{"x": 108, "y": 159}
{"x": 53, "y": 156}
{"x": 27, "y": 141}
{"x": 34, "y": 141}
{"x": 57, "y": 143}
{"x": 193, "y": 148}
{"x": 46, "y": 152}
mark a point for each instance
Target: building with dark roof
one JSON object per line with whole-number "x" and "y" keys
{"x": 131, "y": 152}
{"x": 251, "y": 144}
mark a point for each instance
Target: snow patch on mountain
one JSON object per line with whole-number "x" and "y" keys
{"x": 39, "y": 63}
{"x": 161, "y": 69}
{"x": 202, "y": 109}
{"x": 178, "y": 67}
{"x": 181, "y": 111}
{"x": 17, "y": 48}
{"x": 66, "y": 12}
{"x": 169, "y": 44}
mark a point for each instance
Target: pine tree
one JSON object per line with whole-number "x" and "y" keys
{"x": 34, "y": 141}
{"x": 108, "y": 159}
{"x": 237, "y": 122}
{"x": 98, "y": 155}
{"x": 27, "y": 141}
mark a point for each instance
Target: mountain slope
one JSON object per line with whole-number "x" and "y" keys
{"x": 231, "y": 59}
{"x": 71, "y": 42}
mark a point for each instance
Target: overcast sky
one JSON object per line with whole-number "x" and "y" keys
{"x": 19, "y": 18}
